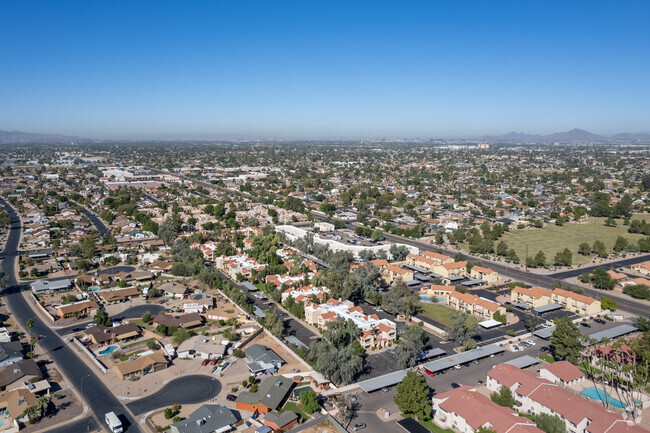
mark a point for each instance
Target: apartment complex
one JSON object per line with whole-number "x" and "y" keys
{"x": 472, "y": 304}
{"x": 537, "y": 297}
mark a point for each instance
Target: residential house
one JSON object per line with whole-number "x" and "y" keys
{"x": 200, "y": 346}
{"x": 76, "y": 309}
{"x": 271, "y": 395}
{"x": 643, "y": 267}
{"x": 119, "y": 294}
{"x": 141, "y": 365}
{"x": 10, "y": 353}
{"x": 173, "y": 290}
{"x": 13, "y": 404}
{"x": 25, "y": 370}
{"x": 262, "y": 360}
{"x": 209, "y": 418}
{"x": 45, "y": 286}
{"x": 100, "y": 334}
{"x": 281, "y": 421}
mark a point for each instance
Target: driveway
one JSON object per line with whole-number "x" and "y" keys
{"x": 183, "y": 390}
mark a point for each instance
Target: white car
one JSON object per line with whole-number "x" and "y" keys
{"x": 531, "y": 342}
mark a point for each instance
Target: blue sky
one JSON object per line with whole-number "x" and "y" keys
{"x": 323, "y": 69}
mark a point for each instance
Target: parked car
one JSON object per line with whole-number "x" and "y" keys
{"x": 205, "y": 362}
{"x": 214, "y": 361}
{"x": 531, "y": 342}
{"x": 358, "y": 426}
{"x": 457, "y": 367}
{"x": 231, "y": 397}
{"x": 391, "y": 351}
{"x": 544, "y": 349}
{"x": 586, "y": 325}
{"x": 352, "y": 397}
{"x": 429, "y": 372}
{"x": 466, "y": 364}
{"x": 455, "y": 385}
{"x": 601, "y": 321}
{"x": 385, "y": 389}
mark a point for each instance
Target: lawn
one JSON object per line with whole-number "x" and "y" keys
{"x": 552, "y": 239}
{"x": 293, "y": 407}
{"x": 430, "y": 425}
{"x": 547, "y": 358}
{"x": 440, "y": 313}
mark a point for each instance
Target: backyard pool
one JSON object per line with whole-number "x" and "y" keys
{"x": 434, "y": 299}
{"x": 109, "y": 349}
{"x": 599, "y": 394}
{"x": 93, "y": 288}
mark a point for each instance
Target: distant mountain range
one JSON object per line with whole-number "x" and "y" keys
{"x": 573, "y": 135}
{"x": 14, "y": 136}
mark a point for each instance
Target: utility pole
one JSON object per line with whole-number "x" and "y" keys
{"x": 526, "y": 258}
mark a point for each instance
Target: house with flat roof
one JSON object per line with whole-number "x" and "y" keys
{"x": 200, "y": 346}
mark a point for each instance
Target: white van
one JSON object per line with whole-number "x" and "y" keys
{"x": 113, "y": 422}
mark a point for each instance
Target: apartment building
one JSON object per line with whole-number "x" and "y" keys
{"x": 533, "y": 297}
{"x": 535, "y": 395}
{"x": 482, "y": 308}
{"x": 374, "y": 331}
{"x": 581, "y": 304}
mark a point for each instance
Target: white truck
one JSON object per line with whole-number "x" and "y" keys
{"x": 113, "y": 422}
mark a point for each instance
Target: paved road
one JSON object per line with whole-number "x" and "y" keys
{"x": 99, "y": 225}
{"x": 545, "y": 281}
{"x": 83, "y": 378}
{"x": 183, "y": 390}
{"x": 130, "y": 313}
{"x": 86, "y": 424}
{"x": 616, "y": 264}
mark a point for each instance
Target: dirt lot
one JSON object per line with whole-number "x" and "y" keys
{"x": 64, "y": 407}
{"x": 292, "y": 366}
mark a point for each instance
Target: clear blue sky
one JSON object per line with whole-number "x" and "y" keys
{"x": 317, "y": 69}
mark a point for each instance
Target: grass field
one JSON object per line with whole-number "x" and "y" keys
{"x": 440, "y": 313}
{"x": 293, "y": 407}
{"x": 552, "y": 239}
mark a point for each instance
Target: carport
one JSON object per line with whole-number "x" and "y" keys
{"x": 461, "y": 358}
{"x": 544, "y": 333}
{"x": 489, "y": 324}
{"x": 248, "y": 286}
{"x": 412, "y": 426}
{"x": 431, "y": 353}
{"x": 612, "y": 333}
{"x": 547, "y": 308}
{"x": 523, "y": 361}
{"x": 380, "y": 382}
{"x": 473, "y": 283}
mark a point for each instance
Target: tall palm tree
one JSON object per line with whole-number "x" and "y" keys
{"x": 29, "y": 324}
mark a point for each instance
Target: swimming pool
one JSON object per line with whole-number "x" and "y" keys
{"x": 93, "y": 289}
{"x": 434, "y": 299}
{"x": 109, "y": 349}
{"x": 597, "y": 394}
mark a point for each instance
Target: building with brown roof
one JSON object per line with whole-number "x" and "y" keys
{"x": 535, "y": 395}
{"x": 572, "y": 301}
{"x": 82, "y": 308}
{"x": 486, "y": 274}
{"x": 141, "y": 365}
{"x": 392, "y": 272}
{"x": 18, "y": 373}
{"x": 467, "y": 410}
{"x": 533, "y": 297}
{"x": 13, "y": 403}
{"x": 452, "y": 269}
{"x": 119, "y": 295}
{"x": 100, "y": 334}
{"x": 562, "y": 372}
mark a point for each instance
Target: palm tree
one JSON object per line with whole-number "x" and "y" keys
{"x": 30, "y": 324}
{"x": 32, "y": 342}
{"x": 33, "y": 413}
{"x": 44, "y": 403}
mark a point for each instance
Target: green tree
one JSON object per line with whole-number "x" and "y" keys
{"x": 503, "y": 397}
{"x": 563, "y": 258}
{"x": 102, "y": 317}
{"x": 584, "y": 249}
{"x": 398, "y": 252}
{"x": 412, "y": 344}
{"x": 502, "y": 248}
{"x": 462, "y": 327}
{"x": 413, "y": 396}
{"x": 607, "y": 303}
{"x": 599, "y": 249}
{"x": 377, "y": 235}
{"x": 147, "y": 318}
{"x": 620, "y": 244}
{"x": 566, "y": 340}
{"x": 550, "y": 423}
{"x": 309, "y": 401}
{"x": 274, "y": 323}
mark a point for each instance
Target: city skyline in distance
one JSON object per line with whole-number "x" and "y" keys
{"x": 324, "y": 71}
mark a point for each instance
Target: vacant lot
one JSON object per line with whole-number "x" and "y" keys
{"x": 552, "y": 239}
{"x": 440, "y": 313}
